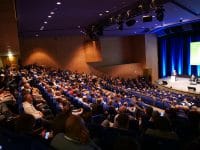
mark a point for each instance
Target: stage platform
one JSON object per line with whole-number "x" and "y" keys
{"x": 181, "y": 84}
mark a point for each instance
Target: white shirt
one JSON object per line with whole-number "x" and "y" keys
{"x": 30, "y": 109}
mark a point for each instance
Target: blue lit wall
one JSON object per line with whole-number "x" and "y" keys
{"x": 174, "y": 54}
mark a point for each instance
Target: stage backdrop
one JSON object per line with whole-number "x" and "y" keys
{"x": 174, "y": 54}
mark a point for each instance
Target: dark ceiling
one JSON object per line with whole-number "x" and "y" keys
{"x": 71, "y": 17}
{"x": 68, "y": 16}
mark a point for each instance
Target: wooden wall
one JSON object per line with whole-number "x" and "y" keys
{"x": 123, "y": 55}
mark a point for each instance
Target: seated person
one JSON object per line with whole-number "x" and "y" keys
{"x": 6, "y": 96}
{"x": 38, "y": 100}
{"x": 3, "y": 110}
{"x": 3, "y": 82}
{"x": 76, "y": 136}
{"x": 29, "y": 108}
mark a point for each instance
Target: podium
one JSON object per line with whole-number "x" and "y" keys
{"x": 173, "y": 78}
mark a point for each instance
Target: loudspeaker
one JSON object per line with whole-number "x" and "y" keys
{"x": 164, "y": 83}
{"x": 191, "y": 88}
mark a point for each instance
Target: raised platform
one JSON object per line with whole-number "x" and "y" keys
{"x": 181, "y": 84}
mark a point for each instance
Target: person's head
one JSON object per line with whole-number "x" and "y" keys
{"x": 2, "y": 77}
{"x": 75, "y": 128}
{"x": 149, "y": 111}
{"x": 28, "y": 98}
{"x": 99, "y": 100}
{"x": 110, "y": 103}
{"x": 122, "y": 109}
{"x": 27, "y": 86}
{"x": 58, "y": 124}
{"x": 122, "y": 121}
{"x": 155, "y": 115}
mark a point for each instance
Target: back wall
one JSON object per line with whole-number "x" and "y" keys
{"x": 116, "y": 56}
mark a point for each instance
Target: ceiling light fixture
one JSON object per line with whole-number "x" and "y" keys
{"x": 100, "y": 14}
{"x": 45, "y": 22}
{"x": 49, "y": 16}
{"x": 52, "y": 13}
{"x": 58, "y": 3}
{"x": 42, "y": 28}
{"x": 107, "y": 11}
{"x": 10, "y": 54}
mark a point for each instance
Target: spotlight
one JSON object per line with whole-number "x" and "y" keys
{"x": 130, "y": 22}
{"x": 111, "y": 21}
{"x": 120, "y": 22}
{"x": 121, "y": 26}
{"x": 129, "y": 14}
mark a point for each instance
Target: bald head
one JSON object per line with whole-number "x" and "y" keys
{"x": 73, "y": 123}
{"x": 28, "y": 98}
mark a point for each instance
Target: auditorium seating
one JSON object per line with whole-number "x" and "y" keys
{"x": 121, "y": 93}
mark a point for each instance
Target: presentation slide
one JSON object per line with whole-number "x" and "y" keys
{"x": 195, "y": 53}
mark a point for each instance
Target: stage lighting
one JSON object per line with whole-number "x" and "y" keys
{"x": 121, "y": 26}
{"x": 160, "y": 13}
{"x": 100, "y": 31}
{"x": 90, "y": 32}
{"x": 157, "y": 3}
{"x": 147, "y": 18}
{"x": 130, "y": 22}
{"x": 145, "y": 5}
{"x": 120, "y": 23}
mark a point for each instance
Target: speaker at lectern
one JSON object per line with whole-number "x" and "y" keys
{"x": 173, "y": 76}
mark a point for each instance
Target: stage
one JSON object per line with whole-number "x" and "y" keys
{"x": 180, "y": 84}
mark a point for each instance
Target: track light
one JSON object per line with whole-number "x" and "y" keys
{"x": 121, "y": 26}
{"x": 160, "y": 13}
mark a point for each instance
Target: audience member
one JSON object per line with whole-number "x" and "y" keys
{"x": 76, "y": 136}
{"x": 29, "y": 108}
